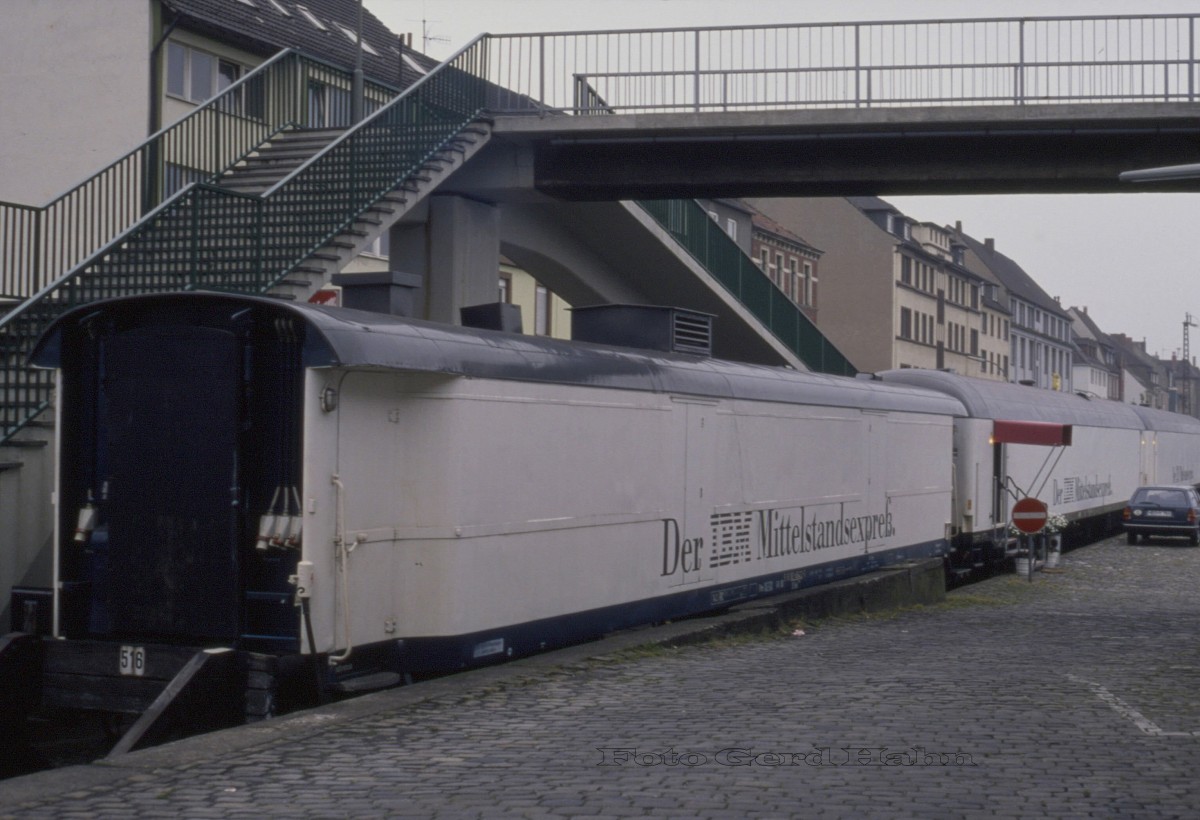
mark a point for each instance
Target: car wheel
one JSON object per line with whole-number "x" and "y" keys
{"x": 1131, "y": 537}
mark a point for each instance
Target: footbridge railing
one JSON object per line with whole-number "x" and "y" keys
{"x": 994, "y": 61}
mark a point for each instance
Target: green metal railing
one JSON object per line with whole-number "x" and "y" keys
{"x": 717, "y": 253}
{"x": 722, "y": 257}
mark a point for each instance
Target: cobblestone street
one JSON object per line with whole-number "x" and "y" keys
{"x": 1073, "y": 695}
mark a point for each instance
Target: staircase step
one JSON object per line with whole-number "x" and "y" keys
{"x": 25, "y": 444}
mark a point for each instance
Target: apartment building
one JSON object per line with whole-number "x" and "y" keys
{"x": 894, "y": 292}
{"x": 1041, "y": 351}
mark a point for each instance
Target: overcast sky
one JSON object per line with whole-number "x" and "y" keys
{"x": 1132, "y": 259}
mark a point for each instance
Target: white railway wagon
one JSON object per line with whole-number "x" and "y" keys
{"x": 1170, "y": 447}
{"x": 371, "y": 492}
{"x": 1113, "y": 448}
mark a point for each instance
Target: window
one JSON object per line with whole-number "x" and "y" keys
{"x": 328, "y": 106}
{"x": 905, "y": 270}
{"x": 974, "y": 342}
{"x": 731, "y": 228}
{"x": 352, "y": 36}
{"x": 198, "y": 76}
{"x": 413, "y": 64}
{"x": 505, "y": 287}
{"x": 905, "y": 323}
{"x": 784, "y": 283}
{"x": 176, "y": 177}
{"x": 312, "y": 18}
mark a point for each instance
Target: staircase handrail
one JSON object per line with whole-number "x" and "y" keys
{"x": 370, "y": 159}
{"x": 136, "y": 181}
{"x": 367, "y": 120}
{"x": 167, "y": 206}
{"x": 177, "y": 202}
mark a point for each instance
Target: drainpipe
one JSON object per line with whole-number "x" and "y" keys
{"x": 356, "y": 84}
{"x": 152, "y": 167}
{"x": 156, "y": 78}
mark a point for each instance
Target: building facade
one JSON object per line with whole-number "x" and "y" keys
{"x": 788, "y": 261}
{"x": 894, "y": 292}
{"x": 1041, "y": 352}
{"x": 1098, "y": 367}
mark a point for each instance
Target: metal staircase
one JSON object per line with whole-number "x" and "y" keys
{"x": 269, "y": 205}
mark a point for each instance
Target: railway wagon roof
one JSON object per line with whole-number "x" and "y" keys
{"x": 341, "y": 337}
{"x": 987, "y": 399}
{"x": 1163, "y": 421}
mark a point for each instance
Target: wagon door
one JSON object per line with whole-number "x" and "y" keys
{"x": 172, "y": 484}
{"x": 1149, "y": 466}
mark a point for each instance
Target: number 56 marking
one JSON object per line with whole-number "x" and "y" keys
{"x": 133, "y": 660}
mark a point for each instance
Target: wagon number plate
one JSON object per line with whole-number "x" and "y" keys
{"x": 133, "y": 661}
{"x": 1159, "y": 513}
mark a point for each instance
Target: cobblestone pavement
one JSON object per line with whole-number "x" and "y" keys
{"x": 1071, "y": 696}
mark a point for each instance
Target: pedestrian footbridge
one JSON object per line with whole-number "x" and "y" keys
{"x": 910, "y": 107}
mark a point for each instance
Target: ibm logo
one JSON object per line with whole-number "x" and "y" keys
{"x": 731, "y": 538}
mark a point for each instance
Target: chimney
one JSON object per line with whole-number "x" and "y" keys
{"x": 958, "y": 226}
{"x": 1085, "y": 310}
{"x": 990, "y": 244}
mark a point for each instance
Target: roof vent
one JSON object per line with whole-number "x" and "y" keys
{"x": 492, "y": 316}
{"x": 669, "y": 329}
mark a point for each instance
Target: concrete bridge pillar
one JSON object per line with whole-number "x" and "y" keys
{"x": 456, "y": 251}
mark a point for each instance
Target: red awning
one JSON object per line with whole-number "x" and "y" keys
{"x": 1044, "y": 433}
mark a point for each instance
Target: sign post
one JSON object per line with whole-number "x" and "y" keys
{"x": 1029, "y": 516}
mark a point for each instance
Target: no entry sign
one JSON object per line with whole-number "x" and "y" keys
{"x": 1029, "y": 515}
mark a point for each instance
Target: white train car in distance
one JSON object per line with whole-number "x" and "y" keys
{"x": 1170, "y": 447}
{"x": 1113, "y": 449}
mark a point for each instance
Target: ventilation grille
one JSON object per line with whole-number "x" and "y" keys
{"x": 693, "y": 333}
{"x": 672, "y": 330}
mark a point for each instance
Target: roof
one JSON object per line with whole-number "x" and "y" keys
{"x": 340, "y": 337}
{"x": 1080, "y": 316}
{"x": 986, "y": 399}
{"x": 1013, "y": 276}
{"x": 268, "y": 26}
{"x": 765, "y": 224}
{"x": 871, "y": 203}
{"x": 1163, "y": 421}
